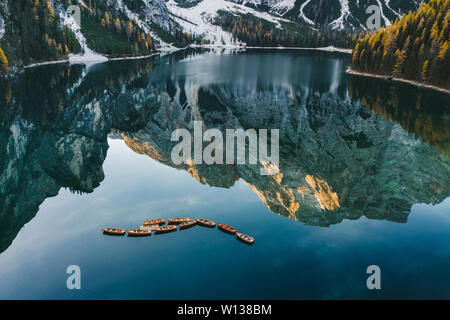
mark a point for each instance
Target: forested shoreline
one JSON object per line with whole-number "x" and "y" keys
{"x": 416, "y": 47}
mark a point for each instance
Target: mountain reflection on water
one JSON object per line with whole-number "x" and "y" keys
{"x": 349, "y": 147}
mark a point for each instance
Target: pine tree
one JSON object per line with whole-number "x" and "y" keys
{"x": 400, "y": 60}
{"x": 129, "y": 30}
{"x": 107, "y": 19}
{"x": 444, "y": 52}
{"x": 424, "y": 73}
{"x": 117, "y": 24}
{"x": 4, "y": 68}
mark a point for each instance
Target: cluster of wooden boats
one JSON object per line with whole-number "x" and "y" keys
{"x": 158, "y": 227}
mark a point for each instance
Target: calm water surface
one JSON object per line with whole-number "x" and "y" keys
{"x": 363, "y": 179}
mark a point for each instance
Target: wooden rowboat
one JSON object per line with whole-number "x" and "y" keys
{"x": 114, "y": 231}
{"x": 206, "y": 223}
{"x": 226, "y": 228}
{"x": 149, "y": 228}
{"x": 165, "y": 229}
{"x": 188, "y": 224}
{"x": 139, "y": 233}
{"x": 245, "y": 238}
{"x": 178, "y": 220}
{"x": 154, "y": 221}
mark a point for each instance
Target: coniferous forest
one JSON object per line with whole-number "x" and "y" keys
{"x": 259, "y": 32}
{"x": 33, "y": 33}
{"x": 415, "y": 47}
{"x": 112, "y": 34}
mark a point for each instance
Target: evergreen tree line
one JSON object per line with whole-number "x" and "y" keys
{"x": 262, "y": 33}
{"x": 176, "y": 37}
{"x": 416, "y": 47}
{"x": 112, "y": 33}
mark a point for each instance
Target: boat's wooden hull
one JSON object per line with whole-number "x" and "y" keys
{"x": 165, "y": 229}
{"x": 114, "y": 231}
{"x": 206, "y": 223}
{"x": 178, "y": 220}
{"x": 139, "y": 233}
{"x": 226, "y": 228}
{"x": 189, "y": 224}
{"x": 245, "y": 238}
{"x": 154, "y": 221}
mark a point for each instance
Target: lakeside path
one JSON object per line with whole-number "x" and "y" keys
{"x": 411, "y": 82}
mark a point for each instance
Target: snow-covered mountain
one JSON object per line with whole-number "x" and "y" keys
{"x": 199, "y": 16}
{"x": 334, "y": 14}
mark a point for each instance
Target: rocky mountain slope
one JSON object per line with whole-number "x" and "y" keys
{"x": 348, "y": 15}
{"x": 45, "y": 31}
{"x": 282, "y": 19}
{"x": 333, "y": 13}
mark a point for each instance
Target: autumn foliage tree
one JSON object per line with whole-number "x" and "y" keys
{"x": 3, "y": 62}
{"x": 416, "y": 47}
{"x": 33, "y": 33}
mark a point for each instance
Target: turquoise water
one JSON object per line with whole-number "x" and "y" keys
{"x": 80, "y": 170}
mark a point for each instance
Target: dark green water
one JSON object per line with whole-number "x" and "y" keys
{"x": 363, "y": 179}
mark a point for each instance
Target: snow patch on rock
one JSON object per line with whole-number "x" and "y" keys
{"x": 164, "y": 47}
{"x": 387, "y": 2}
{"x": 4, "y": 6}
{"x": 89, "y": 56}
{"x": 339, "y": 23}
{"x": 302, "y": 15}
{"x": 283, "y": 7}
{"x": 2, "y": 27}
{"x": 386, "y": 20}
{"x": 198, "y": 20}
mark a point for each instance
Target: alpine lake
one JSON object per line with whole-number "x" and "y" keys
{"x": 363, "y": 179}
